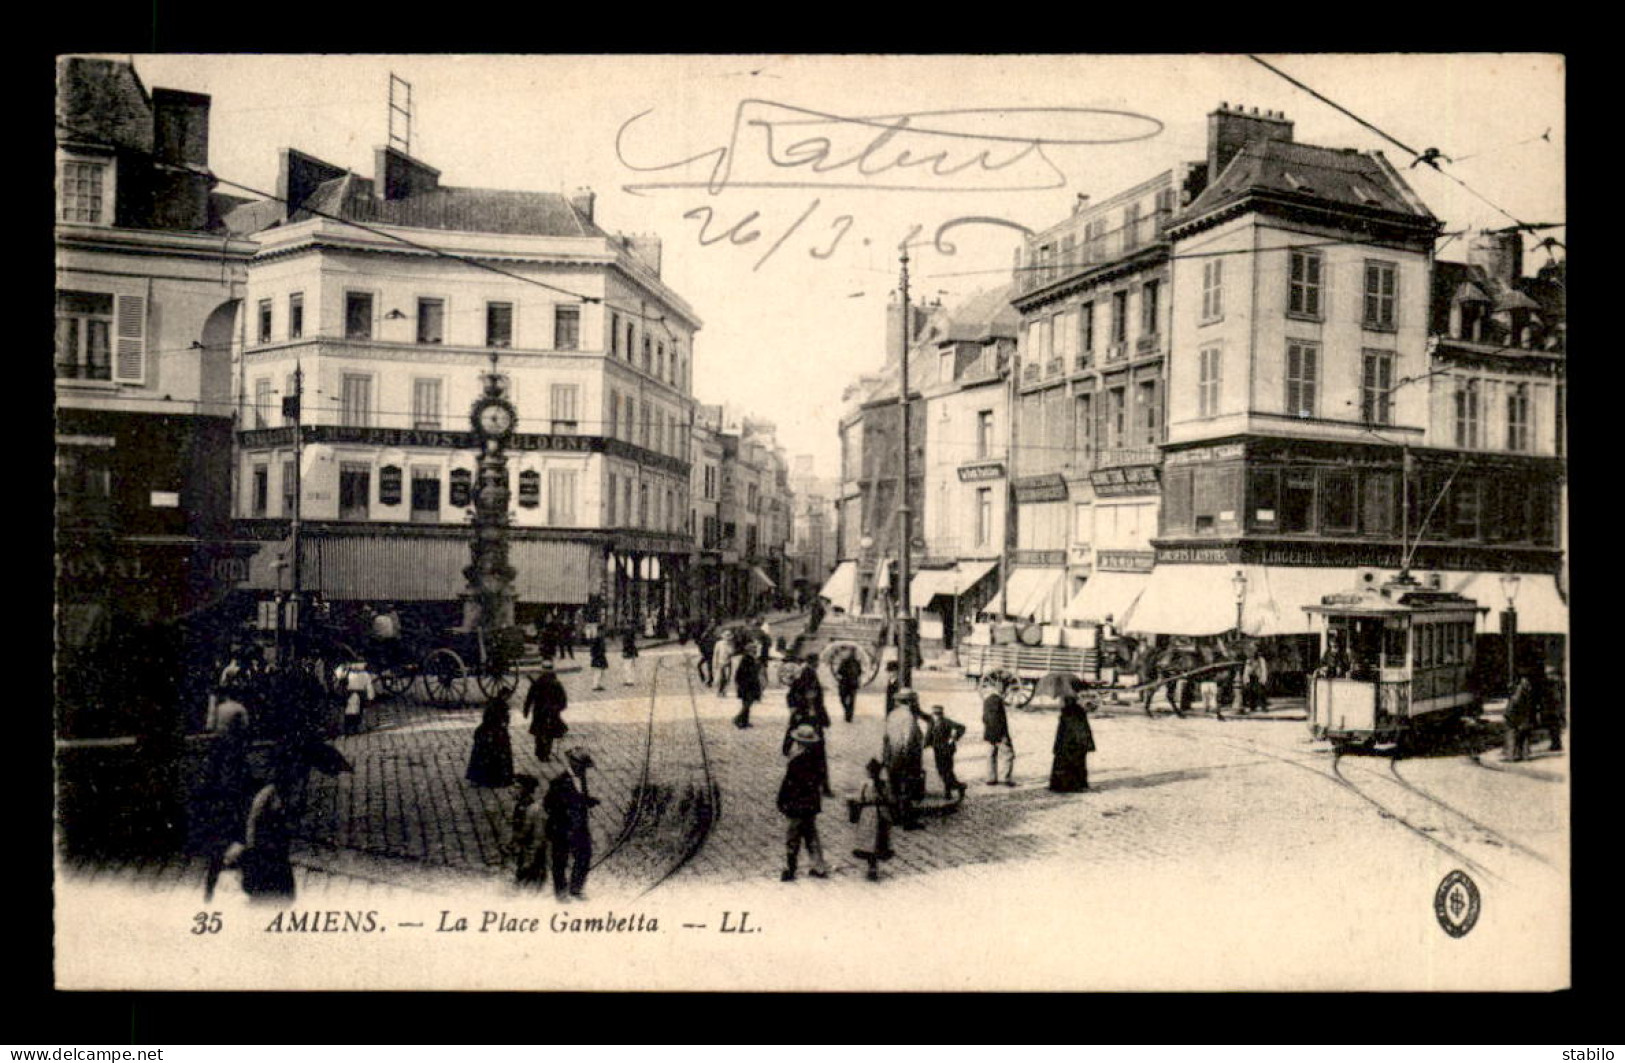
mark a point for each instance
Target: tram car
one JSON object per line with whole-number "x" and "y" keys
{"x": 1398, "y": 661}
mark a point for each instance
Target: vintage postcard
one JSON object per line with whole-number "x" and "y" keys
{"x": 811, "y": 522}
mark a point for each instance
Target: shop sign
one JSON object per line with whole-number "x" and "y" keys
{"x": 1199, "y": 455}
{"x": 1050, "y": 488}
{"x": 982, "y": 470}
{"x": 1039, "y": 557}
{"x": 1125, "y": 560}
{"x": 1127, "y": 480}
{"x": 1196, "y": 555}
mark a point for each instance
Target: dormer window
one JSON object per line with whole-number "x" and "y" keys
{"x": 85, "y": 191}
{"x": 1298, "y": 184}
{"x": 1363, "y": 193}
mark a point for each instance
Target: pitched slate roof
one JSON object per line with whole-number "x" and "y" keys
{"x": 984, "y": 316}
{"x": 1455, "y": 282}
{"x": 1314, "y": 175}
{"x": 477, "y": 210}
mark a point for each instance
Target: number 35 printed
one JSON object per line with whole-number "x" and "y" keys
{"x": 206, "y": 923}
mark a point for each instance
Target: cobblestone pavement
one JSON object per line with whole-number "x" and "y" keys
{"x": 1193, "y": 792}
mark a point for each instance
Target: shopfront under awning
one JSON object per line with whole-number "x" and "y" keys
{"x": 952, "y": 582}
{"x": 1201, "y": 599}
{"x": 1031, "y": 591}
{"x": 1541, "y": 609}
{"x": 1108, "y": 594}
{"x": 840, "y": 585}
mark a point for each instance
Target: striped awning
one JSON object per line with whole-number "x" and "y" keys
{"x": 1108, "y": 594}
{"x": 838, "y": 589}
{"x": 1030, "y": 591}
{"x": 930, "y": 582}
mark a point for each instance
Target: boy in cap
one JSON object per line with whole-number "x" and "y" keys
{"x": 569, "y": 829}
{"x": 800, "y": 801}
{"x": 942, "y": 737}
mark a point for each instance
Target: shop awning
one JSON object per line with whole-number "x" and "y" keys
{"x": 413, "y": 569}
{"x": 1201, "y": 599}
{"x": 840, "y": 585}
{"x": 1113, "y": 594}
{"x": 1541, "y": 610}
{"x": 928, "y": 583}
{"x": 1030, "y": 591}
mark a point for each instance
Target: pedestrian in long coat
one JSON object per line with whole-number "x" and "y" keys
{"x": 228, "y": 784}
{"x": 807, "y": 691}
{"x": 1254, "y": 675}
{"x": 1074, "y": 741}
{"x": 848, "y": 679}
{"x": 528, "y": 834}
{"x": 629, "y": 655}
{"x": 264, "y": 857}
{"x": 871, "y": 815}
{"x": 1148, "y": 670}
{"x": 598, "y": 659}
{"x": 996, "y": 733}
{"x": 705, "y": 640}
{"x": 569, "y": 825}
{"x": 1553, "y": 716}
{"x": 491, "y": 761}
{"x": 1521, "y": 719}
{"x": 800, "y": 801}
{"x": 545, "y": 703}
{"x": 748, "y": 682}
{"x": 903, "y": 753}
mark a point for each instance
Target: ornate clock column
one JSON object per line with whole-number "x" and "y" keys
{"x": 489, "y": 596}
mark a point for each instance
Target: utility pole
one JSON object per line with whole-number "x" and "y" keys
{"x": 298, "y": 483}
{"x": 905, "y": 623}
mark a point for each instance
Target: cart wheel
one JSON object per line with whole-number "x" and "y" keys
{"x": 1022, "y": 693}
{"x": 495, "y": 682}
{"x": 443, "y": 674}
{"x": 395, "y": 683}
{"x": 1001, "y": 682}
{"x": 836, "y": 652}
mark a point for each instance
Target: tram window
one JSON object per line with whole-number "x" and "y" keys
{"x": 1447, "y": 644}
{"x": 1426, "y": 654}
{"x": 1393, "y": 645}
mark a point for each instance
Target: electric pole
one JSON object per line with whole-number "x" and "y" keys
{"x": 905, "y": 624}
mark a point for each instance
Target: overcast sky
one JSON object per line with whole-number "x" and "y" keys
{"x": 795, "y": 312}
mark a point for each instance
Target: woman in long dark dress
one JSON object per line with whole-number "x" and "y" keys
{"x": 491, "y": 763}
{"x": 1074, "y": 741}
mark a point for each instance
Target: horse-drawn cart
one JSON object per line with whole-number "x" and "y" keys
{"x": 444, "y": 663}
{"x": 833, "y": 641}
{"x": 1013, "y": 670}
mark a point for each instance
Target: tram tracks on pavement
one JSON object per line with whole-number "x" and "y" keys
{"x": 1416, "y": 821}
{"x": 674, "y": 805}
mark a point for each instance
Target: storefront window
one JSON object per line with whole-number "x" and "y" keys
{"x": 1464, "y": 509}
{"x": 1176, "y": 501}
{"x": 1337, "y": 506}
{"x": 1264, "y": 489}
{"x": 1298, "y": 501}
{"x": 1380, "y": 503}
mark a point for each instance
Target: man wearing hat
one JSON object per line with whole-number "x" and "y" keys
{"x": 942, "y": 736}
{"x": 545, "y": 703}
{"x": 903, "y": 752}
{"x": 569, "y": 830}
{"x": 801, "y": 800}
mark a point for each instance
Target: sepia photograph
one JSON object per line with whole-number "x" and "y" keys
{"x": 815, "y": 523}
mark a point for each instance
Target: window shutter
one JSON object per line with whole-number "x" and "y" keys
{"x": 130, "y": 345}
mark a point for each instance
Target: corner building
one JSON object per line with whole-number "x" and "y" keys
{"x": 391, "y": 340}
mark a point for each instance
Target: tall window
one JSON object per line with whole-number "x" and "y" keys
{"x": 1086, "y": 330}
{"x": 562, "y": 408}
{"x": 355, "y": 490}
{"x": 648, "y": 352}
{"x": 1083, "y": 407}
{"x": 561, "y": 497}
{"x": 643, "y": 425}
{"x": 1376, "y": 387}
{"x": 1131, "y": 226}
{"x": 265, "y": 321}
{"x": 425, "y": 403}
{"x": 1305, "y": 286}
{"x": 83, "y": 197}
{"x": 1213, "y": 289}
{"x": 84, "y": 329}
{"x": 631, "y": 419}
{"x": 984, "y": 433}
{"x": 984, "y": 515}
{"x": 614, "y": 333}
{"x": 290, "y": 399}
{"x": 296, "y": 315}
{"x": 1380, "y": 284}
{"x": 1518, "y": 417}
{"x": 631, "y": 346}
{"x": 660, "y": 359}
{"x": 262, "y": 402}
{"x": 425, "y": 494}
{"x": 1116, "y": 417}
{"x": 1467, "y": 414}
{"x": 290, "y": 487}
{"x": 431, "y": 320}
{"x": 1302, "y": 379}
{"x": 614, "y": 415}
{"x": 261, "y": 489}
{"x": 626, "y": 516}
{"x": 1149, "y": 300}
{"x": 358, "y": 315}
{"x": 355, "y": 400}
{"x": 1046, "y": 339}
{"x": 643, "y": 505}
{"x": 1147, "y": 411}
{"x": 610, "y": 499}
{"x": 1207, "y": 383}
{"x": 499, "y": 324}
{"x": 1120, "y": 317}
{"x": 566, "y": 327}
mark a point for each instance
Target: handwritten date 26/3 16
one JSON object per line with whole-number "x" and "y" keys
{"x": 823, "y": 237}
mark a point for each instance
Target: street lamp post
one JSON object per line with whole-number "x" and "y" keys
{"x": 905, "y": 622}
{"x": 1240, "y": 583}
{"x": 1509, "y": 628}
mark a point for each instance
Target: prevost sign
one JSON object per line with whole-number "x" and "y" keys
{"x": 1326, "y": 554}
{"x": 1202, "y": 455}
{"x": 1047, "y": 488}
{"x": 450, "y": 440}
{"x": 1129, "y": 480}
{"x": 1124, "y": 560}
{"x": 982, "y": 470}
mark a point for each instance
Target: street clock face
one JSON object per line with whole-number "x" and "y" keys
{"x": 494, "y": 418}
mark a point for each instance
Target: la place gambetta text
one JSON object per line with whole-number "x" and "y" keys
{"x": 487, "y": 922}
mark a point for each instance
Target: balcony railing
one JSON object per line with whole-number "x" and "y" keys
{"x": 1083, "y": 361}
{"x": 1124, "y": 240}
{"x": 1147, "y": 344}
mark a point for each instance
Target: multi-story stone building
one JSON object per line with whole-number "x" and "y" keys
{"x": 1093, "y": 292}
{"x": 149, "y": 278}
{"x": 391, "y": 326}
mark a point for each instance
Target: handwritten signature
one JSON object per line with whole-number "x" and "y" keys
{"x": 943, "y": 148}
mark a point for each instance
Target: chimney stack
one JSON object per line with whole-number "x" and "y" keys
{"x": 398, "y": 175}
{"x": 1500, "y": 254}
{"x": 1080, "y": 204}
{"x": 582, "y": 201}
{"x": 1231, "y": 129}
